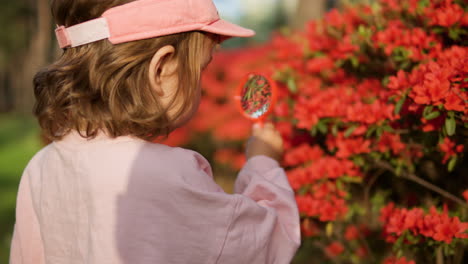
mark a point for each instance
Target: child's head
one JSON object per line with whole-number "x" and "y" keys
{"x": 144, "y": 85}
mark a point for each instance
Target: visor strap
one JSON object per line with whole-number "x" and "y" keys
{"x": 84, "y": 33}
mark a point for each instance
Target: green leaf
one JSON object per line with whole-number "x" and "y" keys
{"x": 411, "y": 238}
{"x": 339, "y": 185}
{"x": 322, "y": 127}
{"x": 379, "y": 199}
{"x": 349, "y": 179}
{"x": 303, "y": 190}
{"x": 398, "y": 243}
{"x": 385, "y": 81}
{"x": 339, "y": 63}
{"x": 350, "y": 130}
{"x": 405, "y": 65}
{"x": 370, "y": 131}
{"x": 399, "y": 168}
{"x": 450, "y": 126}
{"x": 362, "y": 30}
{"x": 452, "y": 163}
{"x": 454, "y": 33}
{"x": 387, "y": 128}
{"x": 313, "y": 131}
{"x": 335, "y": 129}
{"x": 354, "y": 62}
{"x": 399, "y": 105}
{"x": 378, "y": 132}
{"x": 438, "y": 30}
{"x": 329, "y": 229}
{"x": 423, "y": 3}
{"x": 399, "y": 253}
{"x": 448, "y": 249}
{"x": 427, "y": 110}
{"x": 432, "y": 115}
{"x": 319, "y": 54}
{"x": 400, "y": 54}
{"x": 292, "y": 85}
{"x": 358, "y": 161}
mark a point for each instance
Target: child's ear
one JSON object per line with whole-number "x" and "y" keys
{"x": 162, "y": 65}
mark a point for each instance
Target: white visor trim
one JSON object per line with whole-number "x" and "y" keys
{"x": 84, "y": 33}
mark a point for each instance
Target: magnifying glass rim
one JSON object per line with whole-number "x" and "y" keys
{"x": 274, "y": 96}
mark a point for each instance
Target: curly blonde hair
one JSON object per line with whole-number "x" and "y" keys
{"x": 104, "y": 87}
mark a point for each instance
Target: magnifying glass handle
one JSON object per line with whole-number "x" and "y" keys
{"x": 260, "y": 122}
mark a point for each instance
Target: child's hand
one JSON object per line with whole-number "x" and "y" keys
{"x": 266, "y": 141}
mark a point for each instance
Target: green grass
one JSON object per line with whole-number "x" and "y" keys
{"x": 19, "y": 141}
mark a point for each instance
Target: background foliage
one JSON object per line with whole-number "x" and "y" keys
{"x": 27, "y": 43}
{"x": 373, "y": 109}
{"x": 373, "y": 104}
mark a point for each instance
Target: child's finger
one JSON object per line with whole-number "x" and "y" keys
{"x": 258, "y": 128}
{"x": 269, "y": 125}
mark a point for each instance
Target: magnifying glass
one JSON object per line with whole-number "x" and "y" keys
{"x": 256, "y": 97}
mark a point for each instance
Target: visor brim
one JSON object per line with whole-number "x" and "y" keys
{"x": 224, "y": 28}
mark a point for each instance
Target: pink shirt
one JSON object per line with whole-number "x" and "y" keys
{"x": 126, "y": 200}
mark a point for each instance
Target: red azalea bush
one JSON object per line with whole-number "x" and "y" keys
{"x": 373, "y": 104}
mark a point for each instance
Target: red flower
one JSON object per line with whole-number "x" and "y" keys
{"x": 298, "y": 177}
{"x": 361, "y": 252}
{"x": 435, "y": 85}
{"x": 282, "y": 109}
{"x": 319, "y": 64}
{"x": 392, "y": 5}
{"x": 439, "y": 82}
{"x": 434, "y": 225}
{"x": 413, "y": 40}
{"x": 394, "y": 260}
{"x": 433, "y": 124}
{"x": 445, "y": 14}
{"x": 177, "y": 138}
{"x": 301, "y": 154}
{"x": 386, "y": 212}
{"x": 456, "y": 100}
{"x": 391, "y": 142}
{"x": 323, "y": 204}
{"x": 230, "y": 157}
{"x": 309, "y": 228}
{"x": 334, "y": 249}
{"x": 465, "y": 195}
{"x": 449, "y": 149}
{"x": 344, "y": 49}
{"x": 351, "y": 233}
{"x": 446, "y": 229}
{"x": 309, "y": 85}
{"x": 398, "y": 82}
{"x": 235, "y": 129}
{"x": 333, "y": 210}
{"x": 349, "y": 146}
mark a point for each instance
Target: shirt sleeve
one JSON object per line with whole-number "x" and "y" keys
{"x": 265, "y": 224}
{"x": 26, "y": 245}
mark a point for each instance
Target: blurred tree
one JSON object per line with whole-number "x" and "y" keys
{"x": 307, "y": 10}
{"x": 25, "y": 46}
{"x": 34, "y": 57}
{"x": 14, "y": 18}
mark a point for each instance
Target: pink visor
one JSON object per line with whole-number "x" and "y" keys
{"x": 143, "y": 19}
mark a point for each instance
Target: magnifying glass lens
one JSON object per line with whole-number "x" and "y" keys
{"x": 256, "y": 96}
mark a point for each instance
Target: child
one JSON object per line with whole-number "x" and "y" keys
{"x": 101, "y": 192}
